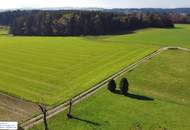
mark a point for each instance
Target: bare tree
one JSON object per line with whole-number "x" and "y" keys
{"x": 44, "y": 111}
{"x": 69, "y": 111}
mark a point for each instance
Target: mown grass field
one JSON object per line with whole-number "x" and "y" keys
{"x": 159, "y": 100}
{"x": 52, "y": 69}
{"x": 179, "y": 36}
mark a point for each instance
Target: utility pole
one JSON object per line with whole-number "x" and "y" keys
{"x": 44, "y": 111}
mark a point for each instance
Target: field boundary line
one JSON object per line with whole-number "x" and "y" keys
{"x": 80, "y": 97}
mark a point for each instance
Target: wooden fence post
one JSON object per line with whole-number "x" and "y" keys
{"x": 44, "y": 111}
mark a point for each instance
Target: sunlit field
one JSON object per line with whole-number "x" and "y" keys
{"x": 52, "y": 69}
{"x": 159, "y": 99}
{"x": 179, "y": 36}
{"x": 3, "y": 30}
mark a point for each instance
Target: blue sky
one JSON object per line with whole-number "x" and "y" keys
{"x": 7, "y": 4}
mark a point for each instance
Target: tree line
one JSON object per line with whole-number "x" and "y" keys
{"x": 70, "y": 23}
{"x": 7, "y": 17}
{"x": 180, "y": 18}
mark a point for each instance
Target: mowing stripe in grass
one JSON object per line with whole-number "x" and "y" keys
{"x": 87, "y": 93}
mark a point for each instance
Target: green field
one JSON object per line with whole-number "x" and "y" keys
{"x": 3, "y": 30}
{"x": 159, "y": 100}
{"x": 52, "y": 69}
{"x": 179, "y": 36}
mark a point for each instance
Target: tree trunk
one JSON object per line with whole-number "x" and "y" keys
{"x": 44, "y": 111}
{"x": 69, "y": 111}
{"x": 45, "y": 121}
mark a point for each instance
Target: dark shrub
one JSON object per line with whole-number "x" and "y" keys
{"x": 20, "y": 128}
{"x": 112, "y": 85}
{"x": 124, "y": 86}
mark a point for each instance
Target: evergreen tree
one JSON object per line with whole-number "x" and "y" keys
{"x": 112, "y": 85}
{"x": 124, "y": 86}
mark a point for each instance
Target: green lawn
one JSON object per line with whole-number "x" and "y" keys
{"x": 160, "y": 100}
{"x": 52, "y": 69}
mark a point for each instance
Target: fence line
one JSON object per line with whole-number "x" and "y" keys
{"x": 78, "y": 98}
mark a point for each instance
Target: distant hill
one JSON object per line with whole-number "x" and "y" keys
{"x": 119, "y": 10}
{"x": 128, "y": 10}
{"x": 151, "y": 10}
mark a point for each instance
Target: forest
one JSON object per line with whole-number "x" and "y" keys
{"x": 74, "y": 23}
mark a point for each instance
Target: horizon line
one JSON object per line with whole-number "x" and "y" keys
{"x": 41, "y": 8}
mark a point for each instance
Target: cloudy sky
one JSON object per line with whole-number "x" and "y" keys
{"x": 7, "y": 4}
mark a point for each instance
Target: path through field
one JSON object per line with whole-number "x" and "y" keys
{"x": 38, "y": 119}
{"x": 14, "y": 109}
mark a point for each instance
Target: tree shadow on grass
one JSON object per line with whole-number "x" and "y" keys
{"x": 86, "y": 121}
{"x": 134, "y": 96}
{"x": 118, "y": 92}
{"x": 178, "y": 28}
{"x": 139, "y": 97}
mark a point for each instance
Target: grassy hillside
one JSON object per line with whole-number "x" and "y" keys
{"x": 179, "y": 36}
{"x": 52, "y": 69}
{"x": 159, "y": 100}
{"x": 170, "y": 70}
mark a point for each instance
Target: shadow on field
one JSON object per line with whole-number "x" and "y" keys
{"x": 178, "y": 28}
{"x": 139, "y": 97}
{"x": 86, "y": 121}
{"x": 134, "y": 96}
{"x": 118, "y": 92}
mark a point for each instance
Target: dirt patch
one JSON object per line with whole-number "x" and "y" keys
{"x": 14, "y": 109}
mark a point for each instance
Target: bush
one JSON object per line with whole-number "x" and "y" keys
{"x": 124, "y": 86}
{"x": 112, "y": 85}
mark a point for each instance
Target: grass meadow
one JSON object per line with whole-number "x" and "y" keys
{"x": 52, "y": 69}
{"x": 179, "y": 36}
{"x": 3, "y": 30}
{"x": 158, "y": 100}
